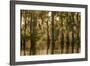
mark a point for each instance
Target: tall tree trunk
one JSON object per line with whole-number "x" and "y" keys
{"x": 34, "y": 34}
{"x": 72, "y": 42}
{"x": 53, "y": 41}
{"x": 67, "y": 43}
{"x": 78, "y": 37}
{"x": 73, "y": 37}
{"x": 67, "y": 34}
{"x": 78, "y": 44}
{"x": 25, "y": 39}
{"x": 62, "y": 36}
{"x": 31, "y": 35}
{"x": 62, "y": 42}
{"x": 48, "y": 38}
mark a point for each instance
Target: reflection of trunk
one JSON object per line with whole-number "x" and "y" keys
{"x": 67, "y": 43}
{"x": 78, "y": 44}
{"x": 53, "y": 42}
{"x": 33, "y": 45}
{"x": 62, "y": 42}
{"x": 25, "y": 39}
{"x": 48, "y": 38}
{"x": 72, "y": 42}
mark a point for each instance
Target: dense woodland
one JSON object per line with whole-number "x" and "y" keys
{"x": 49, "y": 32}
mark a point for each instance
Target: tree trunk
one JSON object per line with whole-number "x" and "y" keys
{"x": 78, "y": 37}
{"x": 62, "y": 36}
{"x": 31, "y": 35}
{"x": 67, "y": 35}
{"x": 67, "y": 43}
{"x": 72, "y": 42}
{"x": 48, "y": 38}
{"x": 53, "y": 42}
{"x": 73, "y": 37}
{"x": 34, "y": 35}
{"x": 62, "y": 42}
{"x": 25, "y": 39}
